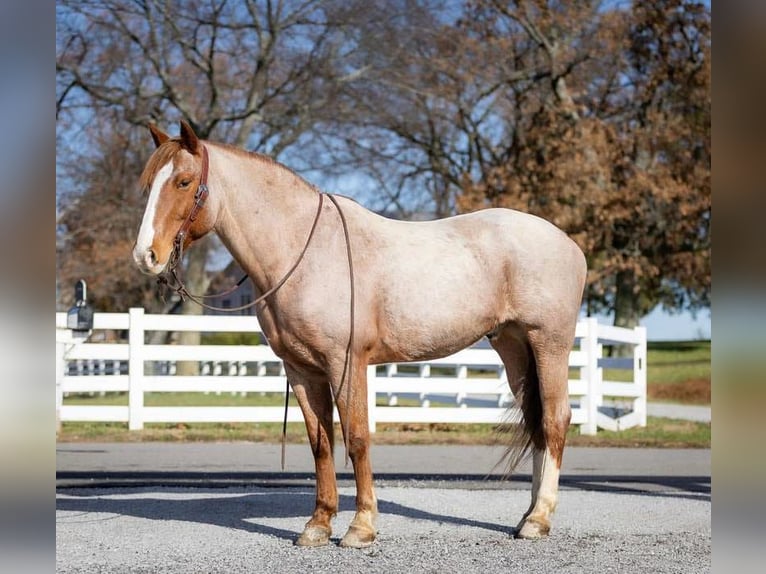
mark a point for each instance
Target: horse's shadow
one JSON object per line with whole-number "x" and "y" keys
{"x": 243, "y": 511}
{"x": 250, "y": 507}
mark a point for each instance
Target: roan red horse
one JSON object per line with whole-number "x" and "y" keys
{"x": 345, "y": 288}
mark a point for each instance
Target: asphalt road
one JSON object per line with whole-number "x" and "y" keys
{"x": 228, "y": 508}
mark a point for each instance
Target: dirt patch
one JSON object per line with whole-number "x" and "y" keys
{"x": 695, "y": 391}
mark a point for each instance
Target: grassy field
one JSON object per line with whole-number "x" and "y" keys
{"x": 665, "y": 433}
{"x": 677, "y": 372}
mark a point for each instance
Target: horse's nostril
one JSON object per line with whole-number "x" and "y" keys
{"x": 152, "y": 257}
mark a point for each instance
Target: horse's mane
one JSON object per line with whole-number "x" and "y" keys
{"x": 245, "y": 153}
{"x": 165, "y": 153}
{"x": 262, "y": 158}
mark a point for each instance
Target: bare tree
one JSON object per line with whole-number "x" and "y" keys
{"x": 255, "y": 74}
{"x": 97, "y": 225}
{"x": 593, "y": 116}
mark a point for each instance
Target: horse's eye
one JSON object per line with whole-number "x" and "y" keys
{"x": 184, "y": 183}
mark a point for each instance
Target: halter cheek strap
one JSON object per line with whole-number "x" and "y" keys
{"x": 200, "y": 197}
{"x": 178, "y": 286}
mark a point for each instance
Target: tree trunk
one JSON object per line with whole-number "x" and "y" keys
{"x": 627, "y": 311}
{"x": 197, "y": 282}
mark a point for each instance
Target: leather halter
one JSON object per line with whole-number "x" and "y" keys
{"x": 200, "y": 197}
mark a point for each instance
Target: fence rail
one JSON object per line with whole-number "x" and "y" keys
{"x": 468, "y": 386}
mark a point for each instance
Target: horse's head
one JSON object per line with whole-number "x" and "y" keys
{"x": 172, "y": 177}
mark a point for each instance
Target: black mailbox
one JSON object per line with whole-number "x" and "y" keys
{"x": 80, "y": 317}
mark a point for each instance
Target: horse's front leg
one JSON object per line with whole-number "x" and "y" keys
{"x": 315, "y": 399}
{"x": 352, "y": 407}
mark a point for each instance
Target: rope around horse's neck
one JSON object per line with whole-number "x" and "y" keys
{"x": 180, "y": 288}
{"x": 348, "y": 362}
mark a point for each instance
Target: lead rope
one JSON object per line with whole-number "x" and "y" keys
{"x": 284, "y": 422}
{"x": 348, "y": 362}
{"x": 180, "y": 288}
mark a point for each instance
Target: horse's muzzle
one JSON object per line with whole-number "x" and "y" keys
{"x": 147, "y": 262}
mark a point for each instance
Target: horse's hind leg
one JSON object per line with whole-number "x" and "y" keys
{"x": 551, "y": 357}
{"x": 520, "y": 368}
{"x": 539, "y": 382}
{"x": 352, "y": 408}
{"x": 315, "y": 400}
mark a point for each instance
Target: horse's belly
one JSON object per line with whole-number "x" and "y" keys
{"x": 407, "y": 350}
{"x": 433, "y": 328}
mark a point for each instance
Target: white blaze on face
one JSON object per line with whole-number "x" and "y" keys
{"x": 146, "y": 232}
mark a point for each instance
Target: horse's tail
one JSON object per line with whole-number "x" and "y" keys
{"x": 523, "y": 428}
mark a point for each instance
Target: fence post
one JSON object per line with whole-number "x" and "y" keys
{"x": 136, "y": 369}
{"x": 60, "y": 372}
{"x": 371, "y": 396}
{"x": 639, "y": 374}
{"x": 593, "y": 398}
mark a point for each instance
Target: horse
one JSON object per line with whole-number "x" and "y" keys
{"x": 342, "y": 287}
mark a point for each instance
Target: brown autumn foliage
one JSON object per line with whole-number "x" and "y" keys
{"x": 593, "y": 115}
{"x": 97, "y": 228}
{"x": 248, "y": 73}
{"x": 626, "y": 171}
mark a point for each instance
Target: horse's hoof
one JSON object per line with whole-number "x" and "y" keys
{"x": 314, "y": 536}
{"x": 357, "y": 537}
{"x": 532, "y": 530}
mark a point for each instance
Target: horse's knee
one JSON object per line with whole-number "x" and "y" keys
{"x": 358, "y": 447}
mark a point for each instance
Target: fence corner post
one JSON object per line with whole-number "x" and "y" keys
{"x": 593, "y": 398}
{"x": 639, "y": 374}
{"x": 136, "y": 369}
{"x": 371, "y": 395}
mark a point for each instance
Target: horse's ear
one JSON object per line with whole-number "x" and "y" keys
{"x": 158, "y": 135}
{"x": 189, "y": 140}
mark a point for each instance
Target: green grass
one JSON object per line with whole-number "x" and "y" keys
{"x": 658, "y": 433}
{"x": 181, "y": 432}
{"x": 679, "y": 372}
{"x": 185, "y": 399}
{"x": 678, "y": 362}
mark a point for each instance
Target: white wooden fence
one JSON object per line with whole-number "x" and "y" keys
{"x": 469, "y": 386}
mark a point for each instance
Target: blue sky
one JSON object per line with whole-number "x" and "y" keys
{"x": 663, "y": 326}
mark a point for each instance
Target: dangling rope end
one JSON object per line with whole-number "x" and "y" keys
{"x": 284, "y": 423}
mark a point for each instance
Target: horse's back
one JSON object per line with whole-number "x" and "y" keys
{"x": 528, "y": 248}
